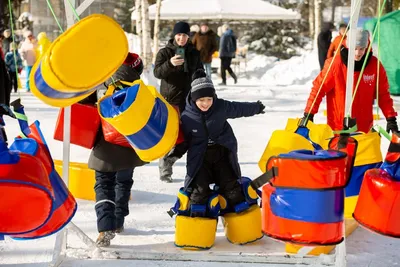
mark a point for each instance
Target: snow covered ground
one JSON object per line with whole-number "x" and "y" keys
{"x": 283, "y": 86}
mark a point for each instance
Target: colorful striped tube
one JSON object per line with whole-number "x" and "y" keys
{"x": 25, "y": 191}
{"x": 64, "y": 204}
{"x": 78, "y": 60}
{"x": 304, "y": 201}
{"x": 140, "y": 113}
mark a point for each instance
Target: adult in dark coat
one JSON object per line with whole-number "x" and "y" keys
{"x": 323, "y": 42}
{"x": 114, "y": 166}
{"x": 175, "y": 72}
{"x": 212, "y": 145}
{"x": 227, "y": 51}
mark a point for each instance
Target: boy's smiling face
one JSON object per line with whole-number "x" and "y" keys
{"x": 204, "y": 103}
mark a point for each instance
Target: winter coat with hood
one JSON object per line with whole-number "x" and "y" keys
{"x": 175, "y": 80}
{"x": 334, "y": 88}
{"x": 198, "y": 127}
{"x": 206, "y": 43}
{"x": 105, "y": 156}
{"x": 227, "y": 44}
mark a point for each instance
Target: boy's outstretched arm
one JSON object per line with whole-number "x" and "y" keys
{"x": 242, "y": 109}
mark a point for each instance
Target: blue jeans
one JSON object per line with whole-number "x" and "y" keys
{"x": 28, "y": 73}
{"x": 207, "y": 67}
{"x": 113, "y": 190}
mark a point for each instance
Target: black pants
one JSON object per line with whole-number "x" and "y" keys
{"x": 113, "y": 190}
{"x": 14, "y": 81}
{"x": 217, "y": 169}
{"x": 226, "y": 66}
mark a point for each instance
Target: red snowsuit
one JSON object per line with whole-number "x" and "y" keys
{"x": 334, "y": 88}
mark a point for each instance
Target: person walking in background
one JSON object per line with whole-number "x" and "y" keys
{"x": 323, "y": 42}
{"x": 206, "y": 42}
{"x": 175, "y": 65}
{"x": 336, "y": 42}
{"x": 28, "y": 53}
{"x": 13, "y": 66}
{"x": 227, "y": 51}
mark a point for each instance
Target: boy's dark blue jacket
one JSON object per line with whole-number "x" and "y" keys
{"x": 199, "y": 126}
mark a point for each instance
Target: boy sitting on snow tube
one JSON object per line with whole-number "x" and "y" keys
{"x": 212, "y": 159}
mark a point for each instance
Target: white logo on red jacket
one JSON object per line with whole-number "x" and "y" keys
{"x": 369, "y": 78}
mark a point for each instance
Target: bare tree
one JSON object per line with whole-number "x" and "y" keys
{"x": 156, "y": 29}
{"x": 318, "y": 18}
{"x": 146, "y": 35}
{"x": 138, "y": 10}
{"x": 311, "y": 18}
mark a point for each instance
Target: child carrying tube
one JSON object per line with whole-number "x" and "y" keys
{"x": 113, "y": 164}
{"x": 211, "y": 159}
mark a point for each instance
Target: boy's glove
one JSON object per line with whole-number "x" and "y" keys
{"x": 262, "y": 107}
{"x": 391, "y": 125}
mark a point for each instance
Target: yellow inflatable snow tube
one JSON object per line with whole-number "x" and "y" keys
{"x": 81, "y": 58}
{"x": 144, "y": 117}
{"x": 243, "y": 228}
{"x": 195, "y": 232}
{"x": 284, "y": 141}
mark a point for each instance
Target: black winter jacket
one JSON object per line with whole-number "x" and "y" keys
{"x": 175, "y": 81}
{"x": 198, "y": 127}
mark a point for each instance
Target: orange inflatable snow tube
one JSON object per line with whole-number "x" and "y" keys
{"x": 378, "y": 206}
{"x": 304, "y": 200}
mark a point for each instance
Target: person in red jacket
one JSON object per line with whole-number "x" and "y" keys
{"x": 334, "y": 88}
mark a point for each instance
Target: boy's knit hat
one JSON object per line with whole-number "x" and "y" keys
{"x": 362, "y": 38}
{"x": 202, "y": 86}
{"x": 134, "y": 61}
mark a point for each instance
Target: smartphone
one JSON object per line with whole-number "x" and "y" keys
{"x": 181, "y": 52}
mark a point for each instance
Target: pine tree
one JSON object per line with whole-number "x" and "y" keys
{"x": 122, "y": 14}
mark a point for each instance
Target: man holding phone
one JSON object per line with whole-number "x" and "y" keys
{"x": 175, "y": 64}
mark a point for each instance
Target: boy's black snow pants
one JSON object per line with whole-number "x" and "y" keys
{"x": 217, "y": 169}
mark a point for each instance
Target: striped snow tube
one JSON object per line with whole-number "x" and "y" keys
{"x": 378, "y": 206}
{"x": 71, "y": 68}
{"x": 368, "y": 156}
{"x": 64, "y": 204}
{"x": 144, "y": 117}
{"x": 304, "y": 202}
{"x": 26, "y": 195}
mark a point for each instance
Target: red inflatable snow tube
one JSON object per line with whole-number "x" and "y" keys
{"x": 304, "y": 202}
{"x": 378, "y": 206}
{"x": 25, "y": 192}
{"x": 64, "y": 204}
